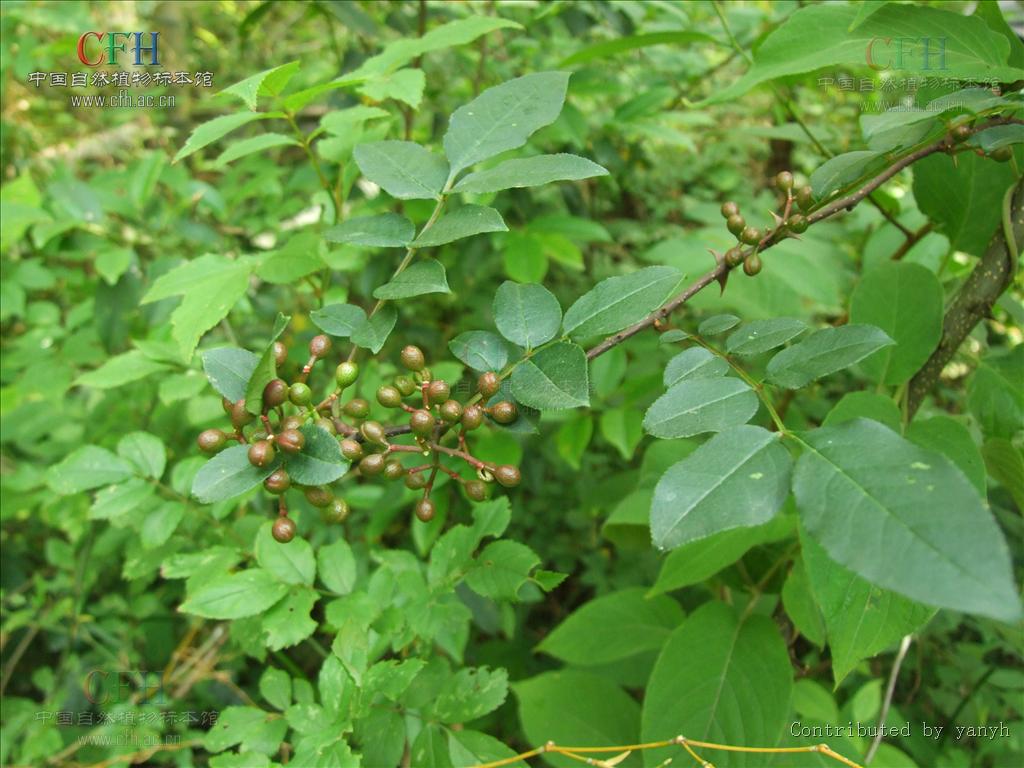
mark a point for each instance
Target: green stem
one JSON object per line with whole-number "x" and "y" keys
{"x": 303, "y": 140}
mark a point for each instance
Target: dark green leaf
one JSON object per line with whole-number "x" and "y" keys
{"x": 266, "y": 369}
{"x": 824, "y": 352}
{"x": 526, "y": 314}
{"x": 480, "y": 350}
{"x": 403, "y": 169}
{"x": 374, "y": 331}
{"x": 339, "y": 320}
{"x": 235, "y": 595}
{"x": 763, "y": 335}
{"x": 386, "y": 230}
{"x": 530, "y": 172}
{"x": 466, "y": 221}
{"x": 694, "y": 363}
{"x": 229, "y": 370}
{"x": 320, "y": 461}
{"x": 423, "y": 276}
{"x": 228, "y": 474}
{"x": 616, "y": 302}
{"x": 553, "y": 378}
{"x": 700, "y": 405}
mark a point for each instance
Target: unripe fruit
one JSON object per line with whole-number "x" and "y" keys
{"x": 1002, "y": 154}
{"x": 211, "y": 440}
{"x": 291, "y": 422}
{"x": 752, "y": 264}
{"x": 961, "y": 133}
{"x": 736, "y": 224}
{"x": 797, "y": 223}
{"x": 389, "y": 396}
{"x": 405, "y": 385}
{"x": 750, "y": 235}
{"x": 274, "y": 394}
{"x": 784, "y": 181}
{"x": 357, "y": 408}
{"x": 300, "y": 394}
{"x": 318, "y": 496}
{"x": 451, "y": 411}
{"x": 472, "y": 416}
{"x": 805, "y": 198}
{"x": 291, "y": 440}
{"x": 422, "y": 422}
{"x": 488, "y": 384}
{"x": 319, "y": 345}
{"x": 507, "y": 475}
{"x": 393, "y": 470}
{"x": 476, "y": 490}
{"x": 261, "y": 453}
{"x": 280, "y": 353}
{"x": 729, "y": 209}
{"x": 227, "y": 405}
{"x": 283, "y": 530}
{"x": 734, "y": 256}
{"x": 415, "y": 481}
{"x": 372, "y": 465}
{"x": 425, "y": 510}
{"x": 438, "y": 390}
{"x": 346, "y": 373}
{"x": 504, "y": 412}
{"x": 336, "y": 511}
{"x": 374, "y": 432}
{"x": 412, "y": 358}
{"x": 327, "y": 425}
{"x": 278, "y": 482}
{"x": 239, "y": 416}
{"x": 351, "y": 449}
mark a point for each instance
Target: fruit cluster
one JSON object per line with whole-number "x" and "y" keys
{"x": 433, "y": 417}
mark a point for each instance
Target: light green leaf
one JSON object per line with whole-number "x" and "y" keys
{"x": 87, "y": 467}
{"x": 813, "y": 701}
{"x": 339, "y": 320}
{"x": 161, "y": 523}
{"x": 553, "y": 378}
{"x": 269, "y": 82}
{"x": 573, "y": 437}
{"x": 386, "y": 230}
{"x": 945, "y": 435}
{"x": 700, "y": 405}
{"x": 276, "y": 687}
{"x": 613, "y": 627}
{"x": 694, "y": 363}
{"x": 290, "y": 563}
{"x": 503, "y": 117}
{"x": 289, "y": 622}
{"x": 111, "y": 263}
{"x": 800, "y": 605}
{"x": 618, "y": 45}
{"x": 251, "y": 727}
{"x": 374, "y": 331}
{"x": 466, "y": 221}
{"x": 530, "y": 172}
{"x": 296, "y": 259}
{"x": 824, "y": 352}
{"x": 145, "y": 451}
{"x": 337, "y": 566}
{"x": 403, "y": 169}
{"x": 266, "y": 369}
{"x": 229, "y": 370}
{"x": 1005, "y": 463}
{"x": 526, "y": 314}
{"x": 423, "y": 276}
{"x": 212, "y": 130}
{"x": 120, "y": 370}
{"x": 995, "y": 393}
{"x": 235, "y": 595}
{"x": 906, "y": 301}
{"x": 405, "y": 85}
{"x": 253, "y": 144}
{"x": 471, "y": 693}
{"x": 623, "y": 428}
{"x": 480, "y": 350}
{"x": 340, "y": 122}
{"x": 763, "y": 335}
{"x": 320, "y": 461}
{"x": 229, "y": 474}
{"x": 471, "y": 748}
{"x": 717, "y": 324}
{"x": 117, "y": 501}
{"x": 941, "y": 545}
{"x": 501, "y": 569}
{"x": 737, "y": 479}
{"x": 735, "y": 690}
{"x": 866, "y": 405}
{"x": 617, "y": 302}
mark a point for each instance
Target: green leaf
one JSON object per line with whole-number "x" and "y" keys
{"x": 501, "y": 569}
{"x": 251, "y": 727}
{"x": 229, "y": 370}
{"x": 430, "y": 749}
{"x": 405, "y": 85}
{"x": 700, "y": 405}
{"x": 403, "y": 169}
{"x": 763, "y": 335}
{"x": 737, "y": 479}
{"x": 253, "y": 144}
{"x": 120, "y": 370}
{"x": 694, "y": 363}
{"x": 341, "y": 122}
{"x": 471, "y": 693}
{"x": 212, "y": 130}
{"x": 386, "y": 230}
{"x": 145, "y": 451}
{"x": 423, "y": 276}
{"x": 87, "y": 467}
{"x": 111, "y": 263}
{"x": 374, "y": 331}
{"x": 235, "y": 595}
{"x": 941, "y": 546}
{"x": 229, "y": 474}
{"x": 466, "y": 221}
{"x": 296, "y": 259}
{"x": 813, "y": 701}
{"x": 320, "y": 462}
{"x": 290, "y": 563}
{"x": 553, "y": 378}
{"x": 964, "y": 199}
{"x": 289, "y": 622}
{"x": 613, "y": 627}
{"x": 480, "y": 350}
{"x": 526, "y": 314}
{"x": 734, "y": 690}
{"x": 530, "y": 172}
{"x": 861, "y": 619}
{"x": 1006, "y": 465}
{"x": 266, "y": 369}
{"x": 617, "y": 302}
{"x": 623, "y": 428}
{"x": 161, "y": 523}
{"x": 573, "y": 437}
{"x": 503, "y": 117}
{"x": 867, "y": 405}
{"x": 471, "y": 748}
{"x": 842, "y": 170}
{"x": 820, "y": 36}
{"x": 618, "y": 45}
{"x": 577, "y": 708}
{"x": 801, "y": 607}
{"x": 717, "y": 324}
{"x": 276, "y": 687}
{"x": 269, "y": 82}
{"x": 824, "y": 352}
{"x": 337, "y": 566}
{"x": 117, "y": 501}
{"x": 995, "y": 393}
{"x": 906, "y": 301}
{"x": 945, "y": 435}
{"x": 339, "y": 320}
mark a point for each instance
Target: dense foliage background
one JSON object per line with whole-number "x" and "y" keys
{"x": 861, "y": 569}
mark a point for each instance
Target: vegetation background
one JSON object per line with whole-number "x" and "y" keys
{"x": 143, "y": 626}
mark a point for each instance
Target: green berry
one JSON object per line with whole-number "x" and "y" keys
{"x": 1002, "y": 154}
{"x": 476, "y": 490}
{"x": 504, "y": 412}
{"x": 805, "y": 198}
{"x": 336, "y": 511}
{"x": 389, "y": 397}
{"x": 412, "y": 358}
{"x": 405, "y": 385}
{"x": 372, "y": 465}
{"x": 451, "y": 411}
{"x": 319, "y": 346}
{"x": 300, "y": 394}
{"x": 784, "y": 181}
{"x": 422, "y": 422}
{"x": 346, "y": 373}
{"x": 472, "y": 417}
{"x": 261, "y": 453}
{"x": 752, "y": 264}
{"x": 351, "y": 449}
{"x": 729, "y": 209}
{"x": 961, "y": 133}
{"x": 374, "y": 432}
{"x": 283, "y": 530}
{"x": 278, "y": 481}
{"x": 734, "y": 256}
{"x": 750, "y": 235}
{"x": 415, "y": 481}
{"x": 357, "y": 408}
{"x": 211, "y": 440}
{"x": 736, "y": 224}
{"x": 438, "y": 391}
{"x": 425, "y": 510}
{"x": 797, "y": 223}
{"x": 318, "y": 496}
{"x": 327, "y": 425}
{"x": 291, "y": 441}
{"x": 507, "y": 475}
{"x": 393, "y": 469}
{"x": 488, "y": 384}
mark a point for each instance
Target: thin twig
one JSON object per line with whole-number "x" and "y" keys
{"x": 887, "y": 701}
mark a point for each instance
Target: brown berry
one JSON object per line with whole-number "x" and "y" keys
{"x": 488, "y": 384}
{"x": 372, "y": 465}
{"x": 351, "y": 449}
{"x": 227, "y": 405}
{"x": 280, "y": 353}
{"x": 961, "y": 133}
{"x": 729, "y": 209}
{"x": 261, "y": 453}
{"x": 318, "y": 496}
{"x": 507, "y": 475}
{"x": 750, "y": 235}
{"x": 797, "y": 223}
{"x": 504, "y": 412}
{"x": 476, "y": 490}
{"x": 472, "y": 416}
{"x": 319, "y": 345}
{"x": 805, "y": 198}
{"x": 752, "y": 264}
{"x": 291, "y": 422}
{"x": 425, "y": 510}
{"x": 451, "y": 411}
{"x": 278, "y": 481}
{"x": 327, "y": 425}
{"x": 393, "y": 469}
{"x": 239, "y": 416}
{"x": 414, "y": 481}
{"x": 357, "y": 408}
{"x": 784, "y": 181}
{"x": 736, "y": 224}
{"x": 211, "y": 440}
{"x": 412, "y": 358}
{"x": 284, "y": 529}
{"x": 373, "y": 432}
{"x": 734, "y": 256}
{"x": 422, "y": 422}
{"x": 336, "y": 511}
{"x": 291, "y": 440}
